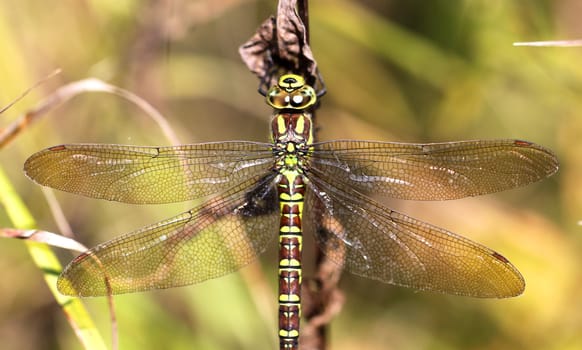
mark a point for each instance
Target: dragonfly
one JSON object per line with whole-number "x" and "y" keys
{"x": 252, "y": 192}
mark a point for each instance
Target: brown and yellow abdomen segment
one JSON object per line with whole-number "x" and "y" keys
{"x": 291, "y": 194}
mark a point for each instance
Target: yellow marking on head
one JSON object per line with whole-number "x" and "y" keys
{"x": 291, "y": 82}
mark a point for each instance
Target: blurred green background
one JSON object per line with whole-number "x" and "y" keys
{"x": 412, "y": 71}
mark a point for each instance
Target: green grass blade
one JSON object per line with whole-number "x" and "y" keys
{"x": 48, "y": 263}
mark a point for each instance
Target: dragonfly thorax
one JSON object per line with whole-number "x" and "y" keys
{"x": 292, "y": 136}
{"x": 291, "y": 157}
{"x": 291, "y": 127}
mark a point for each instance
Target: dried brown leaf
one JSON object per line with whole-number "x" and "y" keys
{"x": 280, "y": 45}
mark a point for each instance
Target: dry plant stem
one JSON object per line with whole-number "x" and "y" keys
{"x": 27, "y": 91}
{"x": 551, "y": 43}
{"x": 57, "y": 213}
{"x": 73, "y": 89}
{"x": 8, "y": 134}
{"x": 52, "y": 239}
{"x": 326, "y": 299}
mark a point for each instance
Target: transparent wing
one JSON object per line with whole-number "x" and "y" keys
{"x": 148, "y": 175}
{"x": 209, "y": 241}
{"x": 378, "y": 243}
{"x": 436, "y": 171}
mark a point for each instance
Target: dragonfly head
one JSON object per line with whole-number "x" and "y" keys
{"x": 291, "y": 92}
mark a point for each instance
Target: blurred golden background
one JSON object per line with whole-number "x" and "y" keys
{"x": 412, "y": 71}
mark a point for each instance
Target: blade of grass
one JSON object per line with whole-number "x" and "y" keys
{"x": 47, "y": 262}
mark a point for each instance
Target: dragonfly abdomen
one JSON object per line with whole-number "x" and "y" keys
{"x": 291, "y": 194}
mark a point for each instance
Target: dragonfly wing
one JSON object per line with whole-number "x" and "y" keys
{"x": 148, "y": 175}
{"x": 436, "y": 171}
{"x": 209, "y": 241}
{"x": 378, "y": 243}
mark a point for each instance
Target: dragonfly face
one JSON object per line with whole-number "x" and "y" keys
{"x": 291, "y": 93}
{"x": 291, "y": 184}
